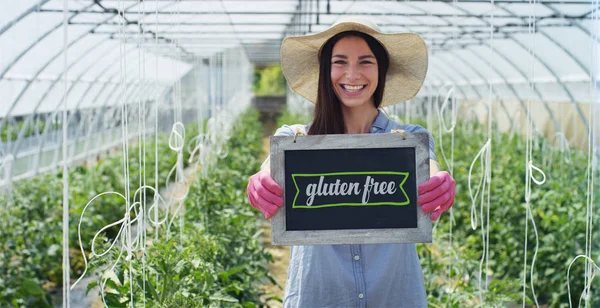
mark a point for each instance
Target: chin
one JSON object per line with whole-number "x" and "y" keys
{"x": 355, "y": 104}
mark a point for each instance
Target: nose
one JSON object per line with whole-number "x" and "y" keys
{"x": 352, "y": 72}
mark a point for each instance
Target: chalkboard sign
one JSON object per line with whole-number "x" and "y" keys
{"x": 350, "y": 189}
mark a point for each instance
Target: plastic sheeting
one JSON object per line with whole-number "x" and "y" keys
{"x": 160, "y": 41}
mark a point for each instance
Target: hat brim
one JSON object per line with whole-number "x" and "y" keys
{"x": 406, "y": 73}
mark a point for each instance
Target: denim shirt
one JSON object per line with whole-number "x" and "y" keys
{"x": 374, "y": 275}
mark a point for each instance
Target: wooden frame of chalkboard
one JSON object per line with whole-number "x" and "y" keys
{"x": 297, "y": 158}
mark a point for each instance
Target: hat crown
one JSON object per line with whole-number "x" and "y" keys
{"x": 407, "y": 55}
{"x": 357, "y": 20}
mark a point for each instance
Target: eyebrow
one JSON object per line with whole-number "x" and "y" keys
{"x": 360, "y": 58}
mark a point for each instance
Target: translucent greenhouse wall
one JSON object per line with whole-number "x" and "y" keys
{"x": 218, "y": 86}
{"x": 511, "y": 98}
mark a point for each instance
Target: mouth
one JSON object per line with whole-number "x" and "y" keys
{"x": 353, "y": 88}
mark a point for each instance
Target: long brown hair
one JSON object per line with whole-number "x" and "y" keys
{"x": 328, "y": 118}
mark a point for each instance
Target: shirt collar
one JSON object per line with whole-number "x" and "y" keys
{"x": 381, "y": 121}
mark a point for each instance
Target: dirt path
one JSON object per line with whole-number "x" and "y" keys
{"x": 281, "y": 254}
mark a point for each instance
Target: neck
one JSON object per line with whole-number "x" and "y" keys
{"x": 358, "y": 120}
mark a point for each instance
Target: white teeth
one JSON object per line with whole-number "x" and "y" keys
{"x": 353, "y": 88}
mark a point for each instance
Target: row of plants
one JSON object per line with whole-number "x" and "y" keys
{"x": 451, "y": 265}
{"x": 30, "y": 249}
{"x": 214, "y": 258}
{"x": 269, "y": 81}
{"x": 558, "y": 208}
{"x": 11, "y": 132}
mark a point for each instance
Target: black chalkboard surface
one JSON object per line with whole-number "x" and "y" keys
{"x": 350, "y": 189}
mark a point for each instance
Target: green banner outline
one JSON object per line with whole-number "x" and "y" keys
{"x": 406, "y": 174}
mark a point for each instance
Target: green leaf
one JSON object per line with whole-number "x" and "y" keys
{"x": 229, "y": 273}
{"x": 90, "y": 286}
{"x": 223, "y": 298}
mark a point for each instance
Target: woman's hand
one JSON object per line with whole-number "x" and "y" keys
{"x": 264, "y": 194}
{"x": 437, "y": 194}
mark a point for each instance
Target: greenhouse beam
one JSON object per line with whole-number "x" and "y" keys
{"x": 29, "y": 118}
{"x": 28, "y": 48}
{"x": 547, "y": 66}
{"x": 373, "y": 14}
{"x": 510, "y": 86}
{"x": 32, "y": 9}
{"x": 20, "y": 95}
{"x": 511, "y": 14}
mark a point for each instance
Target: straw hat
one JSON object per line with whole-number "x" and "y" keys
{"x": 407, "y": 54}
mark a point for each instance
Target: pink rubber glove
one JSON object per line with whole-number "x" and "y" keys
{"x": 437, "y": 194}
{"x": 264, "y": 194}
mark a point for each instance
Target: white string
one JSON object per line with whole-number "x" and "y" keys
{"x": 530, "y": 168}
{"x": 488, "y": 160}
{"x": 65, "y": 178}
{"x": 443, "y": 128}
{"x": 481, "y": 156}
{"x": 142, "y": 153}
{"x": 125, "y": 223}
{"x": 125, "y": 134}
{"x": 590, "y": 271}
{"x": 586, "y": 294}
{"x": 156, "y": 102}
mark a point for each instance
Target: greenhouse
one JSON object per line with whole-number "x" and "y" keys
{"x": 129, "y": 130}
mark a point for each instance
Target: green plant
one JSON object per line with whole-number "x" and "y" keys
{"x": 558, "y": 208}
{"x": 30, "y": 249}
{"x": 288, "y": 117}
{"x": 269, "y": 81}
{"x": 216, "y": 259}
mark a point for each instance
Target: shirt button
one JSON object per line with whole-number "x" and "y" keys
{"x": 361, "y": 295}
{"x": 357, "y": 257}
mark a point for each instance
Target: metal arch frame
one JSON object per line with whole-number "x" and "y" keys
{"x": 495, "y": 70}
{"x": 25, "y": 51}
{"x": 474, "y": 87}
{"x": 464, "y": 1}
{"x": 279, "y": 24}
{"x": 98, "y": 24}
{"x": 551, "y": 70}
{"x": 55, "y": 159}
{"x": 512, "y": 63}
{"x": 294, "y": 27}
{"x": 43, "y": 97}
{"x": 448, "y": 75}
{"x": 50, "y": 61}
{"x": 452, "y": 67}
{"x": 101, "y": 74}
{"x": 18, "y": 98}
{"x": 41, "y": 145}
{"x": 32, "y": 9}
{"x": 510, "y": 86}
{"x": 81, "y": 123}
{"x": 458, "y": 87}
{"x": 109, "y": 98}
{"x": 102, "y": 90}
{"x": 380, "y": 14}
{"x": 575, "y": 24}
{"x": 537, "y": 92}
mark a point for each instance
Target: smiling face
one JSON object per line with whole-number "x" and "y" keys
{"x": 354, "y": 72}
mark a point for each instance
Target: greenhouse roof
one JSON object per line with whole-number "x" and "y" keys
{"x": 472, "y": 43}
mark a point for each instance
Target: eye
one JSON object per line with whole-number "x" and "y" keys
{"x": 367, "y": 62}
{"x": 339, "y": 62}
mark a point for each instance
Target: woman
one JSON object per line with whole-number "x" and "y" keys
{"x": 350, "y": 70}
